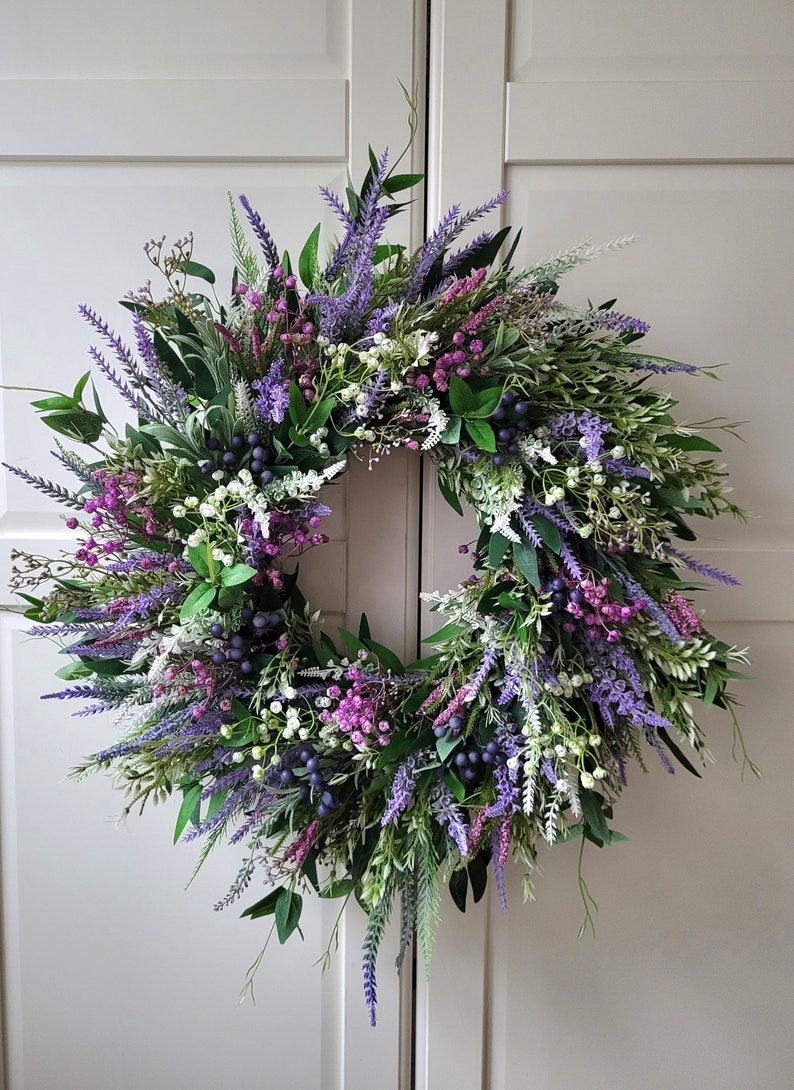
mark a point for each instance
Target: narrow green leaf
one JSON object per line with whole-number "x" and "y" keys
{"x": 448, "y": 494}
{"x": 455, "y": 786}
{"x": 690, "y": 442}
{"x": 308, "y": 265}
{"x": 459, "y": 887}
{"x": 197, "y": 601}
{"x": 189, "y": 802}
{"x": 298, "y": 409}
{"x": 288, "y": 913}
{"x": 478, "y": 876}
{"x": 216, "y": 802}
{"x": 451, "y": 629}
{"x": 674, "y": 749}
{"x": 593, "y": 814}
{"x": 62, "y": 401}
{"x": 363, "y": 628}
{"x": 193, "y": 268}
{"x": 387, "y": 658}
{"x": 340, "y": 888}
{"x": 264, "y": 907}
{"x": 395, "y": 183}
{"x": 527, "y": 562}
{"x": 237, "y": 573}
{"x": 712, "y": 688}
{"x": 547, "y": 532}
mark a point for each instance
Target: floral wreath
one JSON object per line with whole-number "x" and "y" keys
{"x": 572, "y": 645}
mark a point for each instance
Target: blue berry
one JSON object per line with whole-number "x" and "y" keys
{"x": 257, "y": 466}
{"x": 213, "y": 444}
{"x": 230, "y": 458}
{"x": 312, "y": 763}
{"x": 499, "y": 459}
{"x": 216, "y": 630}
{"x": 219, "y": 658}
{"x": 286, "y": 775}
{"x": 237, "y": 442}
{"x": 455, "y": 722}
{"x": 266, "y": 477}
{"x": 246, "y": 667}
{"x": 253, "y": 439}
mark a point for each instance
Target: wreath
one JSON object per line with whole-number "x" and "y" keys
{"x": 571, "y": 647}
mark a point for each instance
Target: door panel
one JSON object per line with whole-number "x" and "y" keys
{"x": 671, "y": 121}
{"x": 113, "y": 130}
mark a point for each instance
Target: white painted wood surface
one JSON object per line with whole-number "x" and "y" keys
{"x": 672, "y": 121}
{"x": 116, "y": 125}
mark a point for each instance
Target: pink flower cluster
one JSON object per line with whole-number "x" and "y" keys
{"x": 682, "y": 614}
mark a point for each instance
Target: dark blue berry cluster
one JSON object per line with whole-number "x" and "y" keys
{"x": 302, "y": 766}
{"x": 257, "y": 632}
{"x": 242, "y": 450}
{"x": 471, "y": 761}
{"x": 561, "y": 595}
{"x": 509, "y": 419}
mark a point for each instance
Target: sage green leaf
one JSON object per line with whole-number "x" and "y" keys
{"x": 461, "y": 397}
{"x": 197, "y": 555}
{"x": 593, "y": 814}
{"x": 455, "y": 786}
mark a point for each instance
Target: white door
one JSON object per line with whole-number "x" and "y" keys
{"x": 673, "y": 121}
{"x": 121, "y": 122}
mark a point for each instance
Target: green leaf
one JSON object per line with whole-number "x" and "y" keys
{"x": 62, "y": 401}
{"x": 455, "y": 786}
{"x": 363, "y": 628}
{"x": 459, "y": 887}
{"x": 674, "y": 749}
{"x": 190, "y": 801}
{"x": 387, "y": 658}
{"x": 216, "y": 802}
{"x": 690, "y": 442}
{"x": 197, "y": 601}
{"x": 482, "y": 435}
{"x": 264, "y": 907}
{"x": 298, "y": 409}
{"x": 486, "y": 401}
{"x": 288, "y": 913}
{"x": 395, "y": 183}
{"x": 451, "y": 433}
{"x": 79, "y": 424}
{"x": 340, "y": 888}
{"x": 712, "y": 688}
{"x": 445, "y": 745}
{"x": 527, "y": 562}
{"x": 237, "y": 573}
{"x": 461, "y": 397}
{"x": 193, "y": 268}
{"x": 478, "y": 876}
{"x": 451, "y": 629}
{"x": 617, "y": 838}
{"x": 308, "y": 265}
{"x": 593, "y": 814}
{"x": 547, "y": 532}
{"x": 73, "y": 670}
{"x": 448, "y": 494}
{"x": 383, "y": 253}
{"x": 497, "y": 547}
{"x": 568, "y": 832}
{"x": 197, "y": 555}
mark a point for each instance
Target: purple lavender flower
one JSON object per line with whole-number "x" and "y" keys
{"x": 402, "y": 790}
{"x": 269, "y": 248}
{"x": 620, "y": 323}
{"x": 273, "y": 400}
{"x": 702, "y": 568}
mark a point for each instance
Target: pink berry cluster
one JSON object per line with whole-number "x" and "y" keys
{"x": 291, "y": 327}
{"x": 602, "y": 615}
{"x": 360, "y": 711}
{"x": 113, "y": 509}
{"x": 456, "y": 360}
